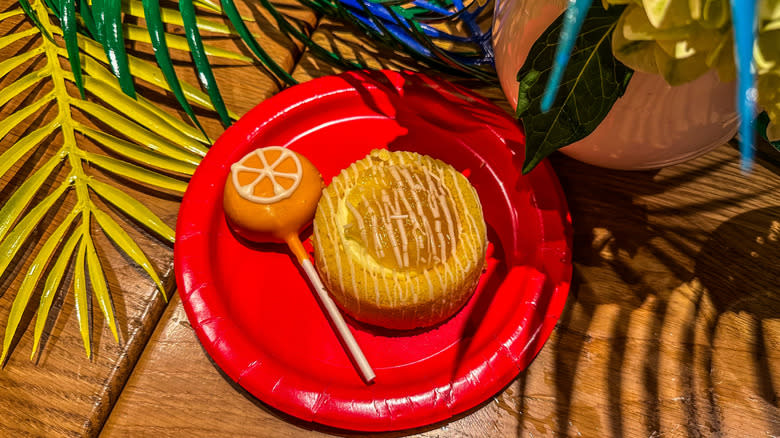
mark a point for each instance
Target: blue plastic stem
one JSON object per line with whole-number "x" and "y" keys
{"x": 743, "y": 13}
{"x": 399, "y": 28}
{"x": 572, "y": 22}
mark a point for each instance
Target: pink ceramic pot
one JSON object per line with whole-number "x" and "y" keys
{"x": 653, "y": 125}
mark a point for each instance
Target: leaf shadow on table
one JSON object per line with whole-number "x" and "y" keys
{"x": 635, "y": 254}
{"x": 748, "y": 287}
{"x": 599, "y": 234}
{"x": 18, "y": 267}
{"x": 13, "y": 179}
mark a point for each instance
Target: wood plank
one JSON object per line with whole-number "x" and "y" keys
{"x": 649, "y": 343}
{"x": 671, "y": 329}
{"x": 62, "y": 392}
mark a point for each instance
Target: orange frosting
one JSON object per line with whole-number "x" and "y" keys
{"x": 271, "y": 194}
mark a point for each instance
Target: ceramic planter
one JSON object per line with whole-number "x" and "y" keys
{"x": 652, "y": 125}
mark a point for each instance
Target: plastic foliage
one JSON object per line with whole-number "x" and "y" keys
{"x": 590, "y": 85}
{"x": 92, "y": 37}
{"x": 682, "y": 39}
{"x": 418, "y": 27}
{"x": 161, "y": 159}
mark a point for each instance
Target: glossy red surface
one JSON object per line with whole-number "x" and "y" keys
{"x": 256, "y": 316}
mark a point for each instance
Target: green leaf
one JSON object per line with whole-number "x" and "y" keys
{"x": 50, "y": 288}
{"x": 128, "y": 245}
{"x": 86, "y": 15}
{"x": 156, "y": 29}
{"x": 113, "y": 42}
{"x": 205, "y": 75}
{"x": 31, "y": 280}
{"x": 98, "y": 10}
{"x": 287, "y": 28}
{"x": 133, "y": 208}
{"x": 232, "y": 13}
{"x": 761, "y": 123}
{"x": 98, "y": 282}
{"x": 592, "y": 83}
{"x": 69, "y": 29}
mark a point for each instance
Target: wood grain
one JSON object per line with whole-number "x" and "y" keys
{"x": 672, "y": 327}
{"x": 652, "y": 342}
{"x": 62, "y": 392}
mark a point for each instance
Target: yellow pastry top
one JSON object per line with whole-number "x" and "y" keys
{"x": 400, "y": 239}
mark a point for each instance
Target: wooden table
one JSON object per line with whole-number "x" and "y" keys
{"x": 672, "y": 327}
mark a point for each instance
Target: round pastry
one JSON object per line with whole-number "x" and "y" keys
{"x": 271, "y": 193}
{"x": 399, "y": 240}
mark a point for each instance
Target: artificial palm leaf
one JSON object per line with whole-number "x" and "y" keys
{"x": 114, "y": 35}
{"x": 93, "y": 38}
{"x": 447, "y": 34}
{"x": 671, "y": 20}
{"x": 422, "y": 29}
{"x": 160, "y": 159}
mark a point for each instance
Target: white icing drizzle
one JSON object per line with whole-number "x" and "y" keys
{"x": 388, "y": 224}
{"x": 472, "y": 226}
{"x": 399, "y": 292}
{"x": 450, "y": 227}
{"x": 359, "y": 219}
{"x": 397, "y": 216}
{"x": 396, "y": 220}
{"x": 268, "y": 171}
{"x": 377, "y": 244}
{"x": 355, "y": 289}
{"x": 337, "y": 253}
{"x": 428, "y": 279}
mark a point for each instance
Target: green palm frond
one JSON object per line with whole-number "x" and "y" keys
{"x": 80, "y": 51}
{"x": 427, "y": 33}
{"x": 161, "y": 159}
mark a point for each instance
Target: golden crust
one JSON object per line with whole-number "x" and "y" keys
{"x": 398, "y": 298}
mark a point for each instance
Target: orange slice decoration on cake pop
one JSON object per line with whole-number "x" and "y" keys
{"x": 271, "y": 194}
{"x": 267, "y": 172}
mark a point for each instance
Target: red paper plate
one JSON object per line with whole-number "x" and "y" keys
{"x": 257, "y": 318}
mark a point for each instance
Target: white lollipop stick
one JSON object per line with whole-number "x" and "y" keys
{"x": 338, "y": 321}
{"x": 288, "y": 230}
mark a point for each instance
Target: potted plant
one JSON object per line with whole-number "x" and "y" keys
{"x": 645, "y": 87}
